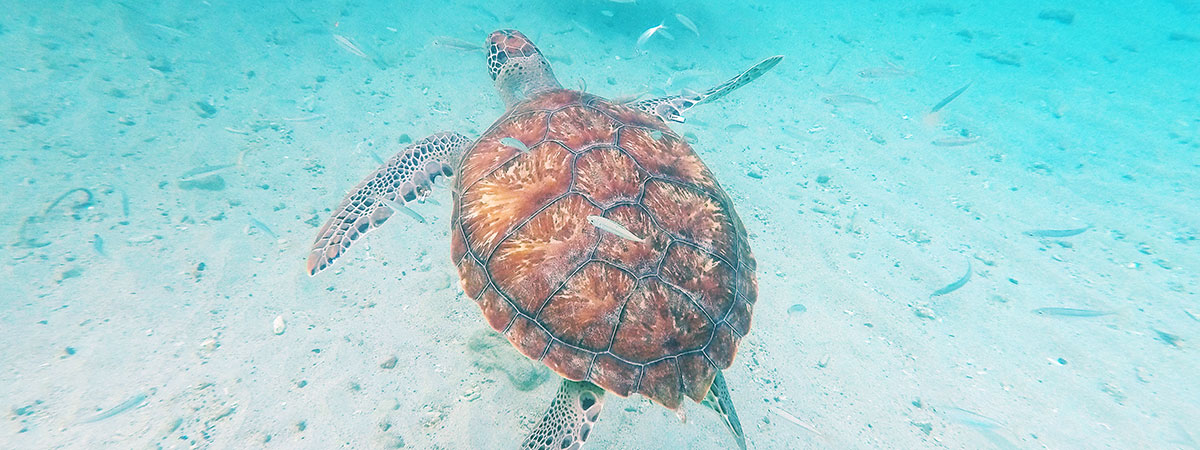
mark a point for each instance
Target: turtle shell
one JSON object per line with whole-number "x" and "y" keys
{"x": 657, "y": 317}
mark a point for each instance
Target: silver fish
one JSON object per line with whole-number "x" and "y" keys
{"x": 515, "y": 143}
{"x": 347, "y": 44}
{"x": 687, "y": 23}
{"x": 134, "y": 402}
{"x": 641, "y": 40}
{"x": 1071, "y": 312}
{"x": 402, "y": 208}
{"x": 955, "y": 141}
{"x": 263, "y": 227}
{"x": 457, "y": 44}
{"x": 608, "y": 225}
{"x": 949, "y": 98}
{"x": 955, "y": 285}
{"x": 1057, "y": 233}
{"x": 890, "y": 71}
{"x": 847, "y": 99}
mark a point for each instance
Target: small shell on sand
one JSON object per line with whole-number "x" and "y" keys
{"x": 279, "y": 325}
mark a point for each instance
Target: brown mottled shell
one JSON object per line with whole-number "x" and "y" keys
{"x": 657, "y": 317}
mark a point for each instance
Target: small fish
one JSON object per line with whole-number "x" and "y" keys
{"x": 296, "y": 17}
{"x": 606, "y": 13}
{"x": 623, "y": 1}
{"x": 349, "y": 46}
{"x": 793, "y": 419}
{"x": 582, "y": 28}
{"x": 401, "y": 208}
{"x": 949, "y": 98}
{"x": 304, "y": 118}
{"x": 457, "y": 44}
{"x": 124, "y": 204}
{"x": 796, "y": 310}
{"x": 986, "y": 426}
{"x": 1169, "y": 338}
{"x": 170, "y": 30}
{"x": 955, "y": 141}
{"x": 646, "y": 35}
{"x": 98, "y": 244}
{"x": 136, "y": 401}
{"x": 1057, "y": 233}
{"x": 834, "y": 65}
{"x": 262, "y": 226}
{"x": 1071, "y": 312}
{"x": 955, "y": 285}
{"x": 970, "y": 418}
{"x": 891, "y": 71}
{"x": 608, "y": 225}
{"x": 628, "y": 98}
{"x": 515, "y": 143}
{"x": 203, "y": 170}
{"x": 847, "y": 99}
{"x": 687, "y": 23}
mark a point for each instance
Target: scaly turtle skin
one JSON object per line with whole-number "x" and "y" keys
{"x": 654, "y": 306}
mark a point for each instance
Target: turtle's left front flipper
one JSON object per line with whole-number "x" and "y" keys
{"x": 406, "y": 177}
{"x": 570, "y": 418}
{"x": 671, "y": 109}
{"x": 718, "y": 399}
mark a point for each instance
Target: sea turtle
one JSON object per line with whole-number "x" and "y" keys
{"x": 591, "y": 236}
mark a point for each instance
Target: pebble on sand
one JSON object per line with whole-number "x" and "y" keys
{"x": 279, "y": 326}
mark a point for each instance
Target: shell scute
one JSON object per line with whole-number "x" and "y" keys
{"x": 659, "y": 316}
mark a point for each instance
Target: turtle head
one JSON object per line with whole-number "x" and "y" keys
{"x": 518, "y": 67}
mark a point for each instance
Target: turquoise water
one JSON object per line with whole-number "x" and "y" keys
{"x": 1017, "y": 269}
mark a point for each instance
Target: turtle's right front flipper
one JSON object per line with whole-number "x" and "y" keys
{"x": 406, "y": 177}
{"x": 671, "y": 108}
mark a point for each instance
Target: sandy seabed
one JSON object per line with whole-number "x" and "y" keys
{"x": 165, "y": 168}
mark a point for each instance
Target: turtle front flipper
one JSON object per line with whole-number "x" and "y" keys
{"x": 406, "y": 177}
{"x": 718, "y": 399}
{"x": 569, "y": 421}
{"x": 671, "y": 108}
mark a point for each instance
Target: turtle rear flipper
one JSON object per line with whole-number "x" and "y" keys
{"x": 718, "y": 399}
{"x": 569, "y": 421}
{"x": 671, "y": 108}
{"x": 406, "y": 177}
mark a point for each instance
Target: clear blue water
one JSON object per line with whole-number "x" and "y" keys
{"x": 165, "y": 166}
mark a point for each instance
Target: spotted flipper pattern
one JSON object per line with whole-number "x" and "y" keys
{"x": 671, "y": 108}
{"x": 570, "y": 419}
{"x": 405, "y": 178}
{"x": 718, "y": 399}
